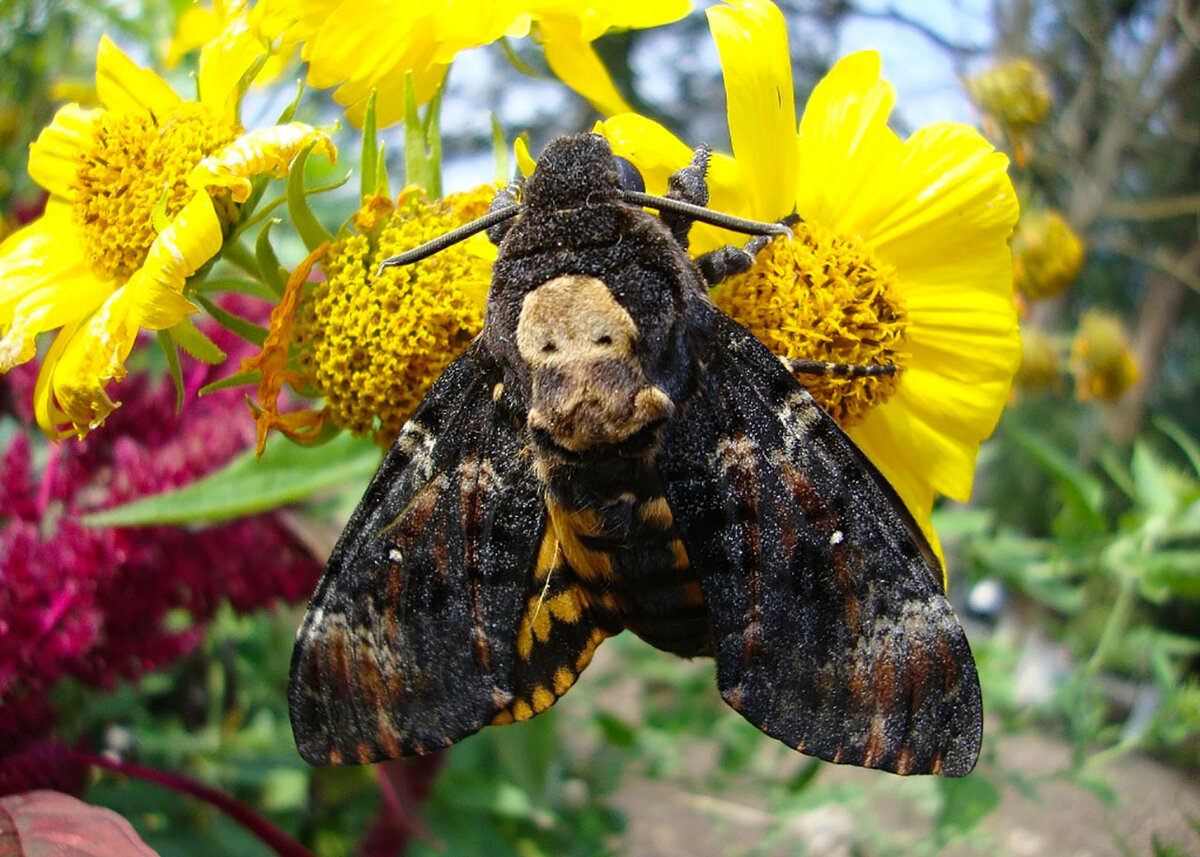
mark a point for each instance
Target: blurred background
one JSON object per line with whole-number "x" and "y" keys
{"x": 1076, "y": 567}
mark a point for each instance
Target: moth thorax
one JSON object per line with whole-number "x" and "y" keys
{"x": 589, "y": 389}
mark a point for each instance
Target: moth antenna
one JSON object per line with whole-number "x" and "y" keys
{"x": 844, "y": 370}
{"x": 706, "y": 215}
{"x": 448, "y": 239}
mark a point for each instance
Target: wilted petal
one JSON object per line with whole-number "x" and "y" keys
{"x": 265, "y": 150}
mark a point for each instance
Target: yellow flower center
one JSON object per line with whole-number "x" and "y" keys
{"x": 371, "y": 346}
{"x": 138, "y": 166}
{"x": 824, "y": 296}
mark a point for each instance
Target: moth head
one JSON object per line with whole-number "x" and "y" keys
{"x": 573, "y": 171}
{"x": 588, "y": 386}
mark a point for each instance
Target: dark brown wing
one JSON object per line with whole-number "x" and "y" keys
{"x": 409, "y": 643}
{"x": 832, "y": 631}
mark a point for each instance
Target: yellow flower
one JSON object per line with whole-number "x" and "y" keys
{"x": 1101, "y": 359}
{"x": 901, "y": 257}
{"x": 372, "y": 346}
{"x": 1047, "y": 254}
{"x": 129, "y": 219}
{"x": 1015, "y": 91}
{"x": 199, "y": 26}
{"x": 364, "y": 45}
{"x": 1015, "y": 96}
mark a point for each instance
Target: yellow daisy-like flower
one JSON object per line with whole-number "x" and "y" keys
{"x": 1015, "y": 96}
{"x": 370, "y": 346}
{"x": 901, "y": 258}
{"x": 1047, "y": 254}
{"x": 129, "y": 219}
{"x": 1101, "y": 358}
{"x": 364, "y": 45}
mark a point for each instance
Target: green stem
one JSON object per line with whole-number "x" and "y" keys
{"x": 1113, "y": 625}
{"x": 236, "y": 252}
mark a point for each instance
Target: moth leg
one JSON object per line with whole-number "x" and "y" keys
{"x": 842, "y": 370}
{"x": 687, "y": 185}
{"x": 727, "y": 261}
{"x": 508, "y": 195}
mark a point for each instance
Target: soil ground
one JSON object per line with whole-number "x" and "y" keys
{"x": 1060, "y": 820}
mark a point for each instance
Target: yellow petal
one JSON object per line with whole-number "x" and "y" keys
{"x": 846, "y": 149}
{"x": 371, "y": 41}
{"x": 949, "y": 200}
{"x": 195, "y": 27}
{"x": 155, "y": 306}
{"x": 264, "y": 150}
{"x": 525, "y": 162}
{"x": 54, "y": 157}
{"x": 125, "y": 88}
{"x": 37, "y": 253}
{"x": 224, "y": 61}
{"x": 50, "y": 418}
{"x": 463, "y": 24}
{"x": 72, "y": 293}
{"x": 751, "y": 37}
{"x": 293, "y": 20}
{"x": 576, "y": 64}
{"x": 190, "y": 239}
{"x": 91, "y": 358}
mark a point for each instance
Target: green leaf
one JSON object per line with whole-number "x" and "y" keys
{"x": 418, "y": 169}
{"x": 286, "y": 473}
{"x": 382, "y": 183}
{"x": 804, "y": 777}
{"x": 1182, "y": 439}
{"x": 239, "y": 379}
{"x": 965, "y": 802}
{"x": 288, "y": 112}
{"x": 235, "y": 285}
{"x": 370, "y": 151}
{"x": 194, "y": 342}
{"x": 1151, "y": 480}
{"x": 1083, "y": 494}
{"x": 500, "y": 152}
{"x": 1172, "y": 573}
{"x": 268, "y": 262}
{"x": 311, "y": 232}
{"x": 172, "y": 355}
{"x": 247, "y": 330}
{"x": 433, "y": 141}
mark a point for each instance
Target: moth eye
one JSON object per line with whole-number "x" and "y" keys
{"x": 549, "y": 348}
{"x": 604, "y": 340}
{"x": 629, "y": 177}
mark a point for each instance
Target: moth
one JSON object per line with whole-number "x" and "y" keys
{"x": 613, "y": 452}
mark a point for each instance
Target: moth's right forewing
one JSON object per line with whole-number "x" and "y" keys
{"x": 408, "y": 641}
{"x": 831, "y": 629}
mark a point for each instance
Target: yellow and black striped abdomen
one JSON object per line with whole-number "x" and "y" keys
{"x": 631, "y": 566}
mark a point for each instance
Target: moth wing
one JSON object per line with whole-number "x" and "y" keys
{"x": 408, "y": 643}
{"x": 832, "y": 631}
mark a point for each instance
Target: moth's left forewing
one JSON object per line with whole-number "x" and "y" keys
{"x": 831, "y": 628}
{"x": 407, "y": 645}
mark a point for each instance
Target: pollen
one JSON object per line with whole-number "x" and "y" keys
{"x": 373, "y": 346}
{"x": 134, "y": 177}
{"x": 824, "y": 296}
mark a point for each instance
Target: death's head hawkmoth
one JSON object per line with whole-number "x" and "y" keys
{"x": 613, "y": 452}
